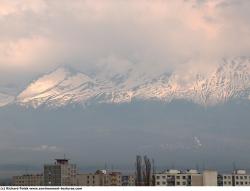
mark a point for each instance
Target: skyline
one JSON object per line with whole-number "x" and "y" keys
{"x": 125, "y": 169}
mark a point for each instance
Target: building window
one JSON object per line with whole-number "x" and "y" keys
{"x": 225, "y": 177}
{"x": 158, "y": 183}
{"x": 184, "y": 183}
{"x": 177, "y": 183}
{"x": 183, "y": 177}
{"x": 158, "y": 177}
{"x": 178, "y": 177}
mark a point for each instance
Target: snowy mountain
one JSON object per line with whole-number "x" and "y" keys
{"x": 231, "y": 80}
{"x": 59, "y": 88}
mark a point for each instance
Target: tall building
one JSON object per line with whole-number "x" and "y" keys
{"x": 236, "y": 178}
{"x": 60, "y": 174}
{"x": 28, "y": 180}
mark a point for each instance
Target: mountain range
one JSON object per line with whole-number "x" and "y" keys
{"x": 175, "y": 116}
{"x": 65, "y": 86}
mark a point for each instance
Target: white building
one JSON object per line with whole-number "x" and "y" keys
{"x": 187, "y": 178}
{"x": 100, "y": 178}
{"x": 174, "y": 178}
{"x": 236, "y": 178}
{"x": 209, "y": 178}
{"x": 90, "y": 179}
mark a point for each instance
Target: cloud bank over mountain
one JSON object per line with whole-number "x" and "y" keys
{"x": 38, "y": 36}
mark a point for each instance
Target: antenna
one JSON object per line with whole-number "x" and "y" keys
{"x": 173, "y": 165}
{"x": 105, "y": 166}
{"x": 112, "y": 168}
{"x": 234, "y": 166}
{"x": 26, "y": 170}
{"x": 153, "y": 164}
{"x": 197, "y": 167}
{"x": 203, "y": 166}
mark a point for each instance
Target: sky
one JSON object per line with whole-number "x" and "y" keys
{"x": 149, "y": 35}
{"x": 212, "y": 138}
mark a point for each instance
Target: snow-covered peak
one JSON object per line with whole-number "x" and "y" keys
{"x": 50, "y": 86}
{"x": 45, "y": 83}
{"x": 230, "y": 80}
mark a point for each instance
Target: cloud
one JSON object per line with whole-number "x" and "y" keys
{"x": 44, "y": 148}
{"x": 40, "y": 148}
{"x": 37, "y": 36}
{"x": 24, "y": 52}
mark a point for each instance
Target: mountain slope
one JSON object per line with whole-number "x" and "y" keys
{"x": 58, "y": 88}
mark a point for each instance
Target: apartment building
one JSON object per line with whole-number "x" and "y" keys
{"x": 28, "y": 180}
{"x": 187, "y": 178}
{"x": 100, "y": 178}
{"x": 173, "y": 177}
{"x": 236, "y": 178}
{"x": 209, "y": 178}
{"x": 128, "y": 180}
{"x": 62, "y": 173}
{"x": 115, "y": 178}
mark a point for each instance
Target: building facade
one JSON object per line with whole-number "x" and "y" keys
{"x": 236, "y": 178}
{"x": 100, "y": 178}
{"x": 28, "y": 180}
{"x": 209, "y": 178}
{"x": 186, "y": 178}
{"x": 115, "y": 178}
{"x": 60, "y": 174}
{"x": 176, "y": 178}
{"x": 128, "y": 180}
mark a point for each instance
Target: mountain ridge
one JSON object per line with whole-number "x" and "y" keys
{"x": 231, "y": 80}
